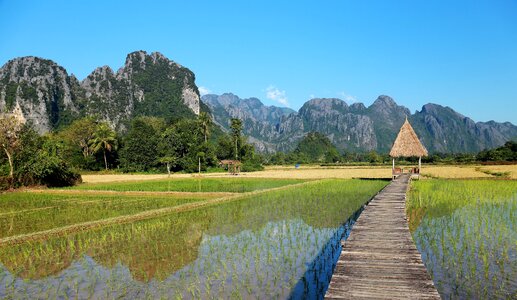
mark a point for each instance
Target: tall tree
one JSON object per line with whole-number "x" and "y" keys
{"x": 236, "y": 127}
{"x": 205, "y": 121}
{"x": 81, "y": 133}
{"x": 76, "y": 138}
{"x": 140, "y": 150}
{"x": 167, "y": 149}
{"x": 10, "y": 129}
{"x": 105, "y": 139}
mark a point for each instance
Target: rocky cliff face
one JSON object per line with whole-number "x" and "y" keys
{"x": 259, "y": 120}
{"x": 360, "y": 128}
{"x": 147, "y": 84}
{"x": 387, "y": 117}
{"x": 341, "y": 124}
{"x": 441, "y": 129}
{"x": 38, "y": 90}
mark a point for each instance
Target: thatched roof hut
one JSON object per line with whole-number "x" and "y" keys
{"x": 407, "y": 143}
{"x": 234, "y": 166}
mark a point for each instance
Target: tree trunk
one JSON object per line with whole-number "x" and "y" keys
{"x": 169, "y": 169}
{"x": 236, "y": 157}
{"x": 205, "y": 136}
{"x": 199, "y": 165}
{"x": 105, "y": 160}
{"x": 11, "y": 168}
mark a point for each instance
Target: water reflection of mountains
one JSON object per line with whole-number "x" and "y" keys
{"x": 237, "y": 258}
{"x": 159, "y": 247}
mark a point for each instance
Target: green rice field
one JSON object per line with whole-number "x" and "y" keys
{"x": 232, "y": 185}
{"x": 466, "y": 231}
{"x": 22, "y": 213}
{"x": 281, "y": 243}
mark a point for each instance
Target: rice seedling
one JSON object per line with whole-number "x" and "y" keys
{"x": 467, "y": 235}
{"x": 261, "y": 246}
{"x": 27, "y": 213}
{"x": 202, "y": 184}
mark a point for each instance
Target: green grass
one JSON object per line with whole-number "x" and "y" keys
{"x": 22, "y": 213}
{"x": 255, "y": 247}
{"x": 466, "y": 231}
{"x": 442, "y": 196}
{"x": 232, "y": 185}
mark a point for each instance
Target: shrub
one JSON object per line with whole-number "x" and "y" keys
{"x": 48, "y": 169}
{"x": 251, "y": 166}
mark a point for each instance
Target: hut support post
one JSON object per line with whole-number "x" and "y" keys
{"x": 393, "y": 169}
{"x": 419, "y": 165}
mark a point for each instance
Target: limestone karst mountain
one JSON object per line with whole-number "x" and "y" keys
{"x": 41, "y": 91}
{"x": 148, "y": 84}
{"x": 359, "y": 128}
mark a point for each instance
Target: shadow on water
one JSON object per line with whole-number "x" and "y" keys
{"x": 315, "y": 281}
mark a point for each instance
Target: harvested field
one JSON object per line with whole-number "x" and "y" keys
{"x": 468, "y": 171}
{"x": 509, "y": 171}
{"x": 316, "y": 172}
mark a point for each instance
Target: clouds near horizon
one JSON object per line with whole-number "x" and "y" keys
{"x": 277, "y": 95}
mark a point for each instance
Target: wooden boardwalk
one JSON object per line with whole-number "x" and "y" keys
{"x": 379, "y": 259}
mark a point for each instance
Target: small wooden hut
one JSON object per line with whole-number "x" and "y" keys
{"x": 233, "y": 166}
{"x": 407, "y": 144}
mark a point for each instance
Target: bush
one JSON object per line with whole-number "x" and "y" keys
{"x": 50, "y": 170}
{"x": 6, "y": 183}
{"x": 251, "y": 166}
{"x": 38, "y": 162}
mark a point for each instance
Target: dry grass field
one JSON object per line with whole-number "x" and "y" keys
{"x": 511, "y": 170}
{"x": 453, "y": 172}
{"x": 317, "y": 172}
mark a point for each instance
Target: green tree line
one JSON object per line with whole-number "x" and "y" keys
{"x": 149, "y": 145}
{"x": 316, "y": 148}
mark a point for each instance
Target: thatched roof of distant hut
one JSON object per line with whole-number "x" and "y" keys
{"x": 230, "y": 162}
{"x": 407, "y": 143}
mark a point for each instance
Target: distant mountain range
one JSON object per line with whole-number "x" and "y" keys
{"x": 147, "y": 84}
{"x": 357, "y": 127}
{"x": 43, "y": 92}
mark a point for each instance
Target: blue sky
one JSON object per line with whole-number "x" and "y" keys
{"x": 461, "y": 54}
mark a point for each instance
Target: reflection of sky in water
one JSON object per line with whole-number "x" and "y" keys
{"x": 267, "y": 263}
{"x": 472, "y": 252}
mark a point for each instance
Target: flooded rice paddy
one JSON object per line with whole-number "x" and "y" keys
{"x": 278, "y": 244}
{"x": 466, "y": 232}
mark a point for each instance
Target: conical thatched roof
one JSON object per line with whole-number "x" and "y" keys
{"x": 407, "y": 143}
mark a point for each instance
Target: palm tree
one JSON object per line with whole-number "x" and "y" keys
{"x": 236, "y": 127}
{"x": 104, "y": 138}
{"x": 206, "y": 122}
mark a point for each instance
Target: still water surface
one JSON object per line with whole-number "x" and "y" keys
{"x": 280, "y": 245}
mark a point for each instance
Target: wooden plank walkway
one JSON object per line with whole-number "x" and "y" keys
{"x": 379, "y": 259}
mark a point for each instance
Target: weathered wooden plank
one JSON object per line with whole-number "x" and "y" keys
{"x": 379, "y": 259}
